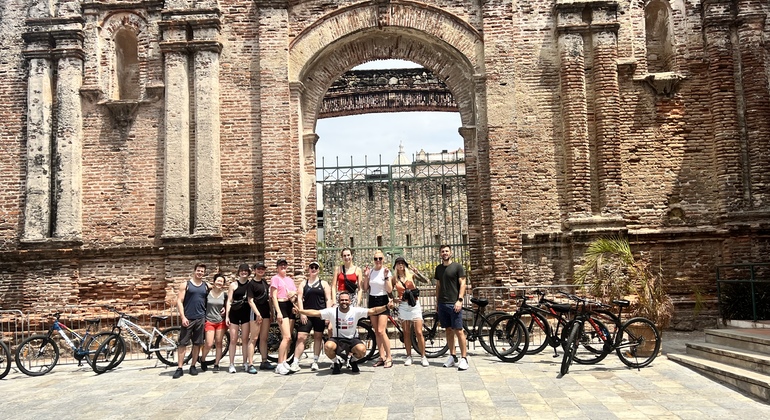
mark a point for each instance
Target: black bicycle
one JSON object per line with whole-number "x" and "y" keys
{"x": 476, "y": 324}
{"x": 5, "y": 359}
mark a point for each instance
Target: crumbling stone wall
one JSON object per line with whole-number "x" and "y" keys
{"x": 568, "y": 134}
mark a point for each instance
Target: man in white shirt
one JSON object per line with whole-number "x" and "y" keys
{"x": 343, "y": 320}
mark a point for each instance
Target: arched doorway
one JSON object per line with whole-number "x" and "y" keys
{"x": 448, "y": 46}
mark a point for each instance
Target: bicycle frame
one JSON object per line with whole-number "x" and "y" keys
{"x": 78, "y": 351}
{"x": 147, "y": 348}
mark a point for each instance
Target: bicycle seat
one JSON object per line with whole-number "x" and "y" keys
{"x": 158, "y": 318}
{"x": 481, "y": 302}
{"x": 94, "y": 320}
{"x": 622, "y": 303}
{"x": 560, "y": 307}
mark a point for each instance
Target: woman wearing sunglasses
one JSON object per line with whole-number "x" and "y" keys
{"x": 377, "y": 282}
{"x": 312, "y": 293}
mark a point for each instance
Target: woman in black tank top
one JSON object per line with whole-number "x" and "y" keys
{"x": 312, "y": 293}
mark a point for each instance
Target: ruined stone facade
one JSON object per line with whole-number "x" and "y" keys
{"x": 140, "y": 136}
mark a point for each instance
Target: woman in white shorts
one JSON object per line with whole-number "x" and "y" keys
{"x": 410, "y": 316}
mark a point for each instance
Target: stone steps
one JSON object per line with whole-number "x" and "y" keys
{"x": 736, "y": 357}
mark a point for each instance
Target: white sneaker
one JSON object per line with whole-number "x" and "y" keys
{"x": 294, "y": 366}
{"x": 425, "y": 362}
{"x": 281, "y": 369}
{"x": 463, "y": 364}
{"x": 450, "y": 361}
{"x": 408, "y": 361}
{"x": 231, "y": 369}
{"x": 314, "y": 366}
{"x": 245, "y": 367}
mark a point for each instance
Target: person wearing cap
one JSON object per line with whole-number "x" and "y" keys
{"x": 312, "y": 293}
{"x": 238, "y": 315}
{"x": 258, "y": 292}
{"x": 282, "y": 292}
{"x": 410, "y": 316}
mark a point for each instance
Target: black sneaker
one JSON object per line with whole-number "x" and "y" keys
{"x": 204, "y": 367}
{"x": 336, "y": 368}
{"x": 267, "y": 366}
{"x": 216, "y": 369}
{"x": 354, "y": 366}
{"x": 193, "y": 371}
{"x": 178, "y": 374}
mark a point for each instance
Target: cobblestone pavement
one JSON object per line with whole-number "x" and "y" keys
{"x": 490, "y": 389}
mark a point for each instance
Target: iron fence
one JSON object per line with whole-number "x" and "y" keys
{"x": 743, "y": 291}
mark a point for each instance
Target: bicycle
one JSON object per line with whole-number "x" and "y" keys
{"x": 372, "y": 352}
{"x": 162, "y": 343}
{"x": 636, "y": 341}
{"x": 5, "y": 359}
{"x": 365, "y": 334}
{"x": 536, "y": 319}
{"x": 476, "y": 330}
{"x": 39, "y": 354}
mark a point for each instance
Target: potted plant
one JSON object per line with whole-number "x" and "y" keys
{"x": 610, "y": 272}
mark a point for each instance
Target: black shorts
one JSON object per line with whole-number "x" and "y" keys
{"x": 313, "y": 323}
{"x": 194, "y": 331}
{"x": 381, "y": 300}
{"x": 241, "y": 316}
{"x": 287, "y": 309}
{"x": 264, "y": 311}
{"x": 344, "y": 345}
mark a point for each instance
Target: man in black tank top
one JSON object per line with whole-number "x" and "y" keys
{"x": 191, "y": 302}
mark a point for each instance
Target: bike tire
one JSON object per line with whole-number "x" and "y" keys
{"x": 594, "y": 345}
{"x": 538, "y": 331}
{"x": 92, "y": 346}
{"x": 167, "y": 344}
{"x": 225, "y": 349}
{"x": 485, "y": 327}
{"x": 109, "y": 355}
{"x": 5, "y": 360}
{"x": 366, "y": 334}
{"x": 508, "y": 339}
{"x": 570, "y": 346}
{"x": 638, "y": 342}
{"x": 274, "y": 342}
{"x": 435, "y": 336}
{"x": 37, "y": 355}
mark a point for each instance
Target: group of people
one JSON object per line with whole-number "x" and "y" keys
{"x": 246, "y": 306}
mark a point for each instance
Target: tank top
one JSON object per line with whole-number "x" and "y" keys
{"x": 195, "y": 300}
{"x": 341, "y": 276}
{"x": 313, "y": 296}
{"x": 214, "y": 307}
{"x": 377, "y": 282}
{"x": 238, "y": 294}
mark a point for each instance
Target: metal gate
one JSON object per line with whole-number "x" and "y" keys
{"x": 404, "y": 209}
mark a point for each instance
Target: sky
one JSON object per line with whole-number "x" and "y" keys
{"x": 377, "y": 136}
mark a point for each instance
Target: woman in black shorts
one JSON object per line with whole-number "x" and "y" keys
{"x": 238, "y": 315}
{"x": 312, "y": 293}
{"x": 377, "y": 283}
{"x": 259, "y": 301}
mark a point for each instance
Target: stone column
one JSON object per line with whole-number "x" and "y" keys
{"x": 756, "y": 100}
{"x": 208, "y": 188}
{"x": 575, "y": 125}
{"x": 176, "y": 200}
{"x": 69, "y": 143}
{"x": 607, "y": 107}
{"x": 37, "y": 210}
{"x": 731, "y": 179}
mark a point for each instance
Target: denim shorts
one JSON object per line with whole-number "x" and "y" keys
{"x": 448, "y": 318}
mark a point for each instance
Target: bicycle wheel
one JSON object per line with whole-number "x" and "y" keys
{"x": 638, "y": 342}
{"x": 571, "y": 345}
{"x": 366, "y": 334}
{"x": 595, "y": 343}
{"x": 225, "y": 348}
{"x": 274, "y": 342}
{"x": 37, "y": 355}
{"x": 435, "y": 336}
{"x": 5, "y": 359}
{"x": 508, "y": 339}
{"x": 167, "y": 343}
{"x": 538, "y": 331}
{"x": 109, "y": 355}
{"x": 484, "y": 327}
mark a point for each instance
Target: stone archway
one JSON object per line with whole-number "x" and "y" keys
{"x": 428, "y": 36}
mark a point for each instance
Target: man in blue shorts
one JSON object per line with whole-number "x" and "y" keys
{"x": 450, "y": 290}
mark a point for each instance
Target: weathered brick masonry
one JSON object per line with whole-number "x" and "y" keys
{"x": 140, "y": 136}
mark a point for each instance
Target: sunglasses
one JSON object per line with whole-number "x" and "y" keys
{"x": 313, "y": 267}
{"x": 378, "y": 258}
